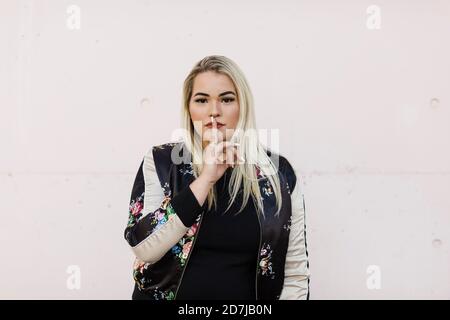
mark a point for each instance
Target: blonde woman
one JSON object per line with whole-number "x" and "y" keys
{"x": 217, "y": 215}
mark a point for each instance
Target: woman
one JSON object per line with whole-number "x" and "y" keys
{"x": 192, "y": 227}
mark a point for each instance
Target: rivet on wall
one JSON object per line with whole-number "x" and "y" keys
{"x": 437, "y": 243}
{"x": 434, "y": 103}
{"x": 145, "y": 103}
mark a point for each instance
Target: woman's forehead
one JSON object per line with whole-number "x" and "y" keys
{"x": 212, "y": 83}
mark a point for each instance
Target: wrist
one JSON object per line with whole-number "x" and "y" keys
{"x": 205, "y": 180}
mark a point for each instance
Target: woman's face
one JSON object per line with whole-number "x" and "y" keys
{"x": 214, "y": 95}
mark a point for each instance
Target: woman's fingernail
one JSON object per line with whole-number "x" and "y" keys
{"x": 237, "y": 144}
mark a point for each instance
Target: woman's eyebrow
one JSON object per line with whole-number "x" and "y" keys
{"x": 226, "y": 92}
{"x": 207, "y": 95}
{"x": 201, "y": 94}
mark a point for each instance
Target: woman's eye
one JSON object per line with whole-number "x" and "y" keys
{"x": 224, "y": 100}
{"x": 228, "y": 100}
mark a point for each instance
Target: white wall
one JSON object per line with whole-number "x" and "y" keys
{"x": 363, "y": 113}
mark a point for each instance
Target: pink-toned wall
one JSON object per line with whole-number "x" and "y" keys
{"x": 359, "y": 91}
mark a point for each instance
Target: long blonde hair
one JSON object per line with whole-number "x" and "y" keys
{"x": 245, "y": 133}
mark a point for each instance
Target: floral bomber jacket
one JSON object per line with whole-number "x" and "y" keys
{"x": 162, "y": 243}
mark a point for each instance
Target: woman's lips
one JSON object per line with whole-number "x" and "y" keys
{"x": 219, "y": 125}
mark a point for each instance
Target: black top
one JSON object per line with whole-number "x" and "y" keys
{"x": 223, "y": 261}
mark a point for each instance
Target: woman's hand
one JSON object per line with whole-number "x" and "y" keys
{"x": 218, "y": 155}
{"x": 217, "y": 158}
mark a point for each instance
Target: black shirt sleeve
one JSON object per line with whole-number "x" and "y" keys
{"x": 186, "y": 206}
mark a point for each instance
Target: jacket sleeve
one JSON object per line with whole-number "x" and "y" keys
{"x": 296, "y": 279}
{"x": 156, "y": 222}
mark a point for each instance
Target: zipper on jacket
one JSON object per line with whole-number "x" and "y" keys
{"x": 258, "y": 254}
{"x": 189, "y": 255}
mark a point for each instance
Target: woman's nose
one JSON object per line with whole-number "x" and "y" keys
{"x": 214, "y": 109}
